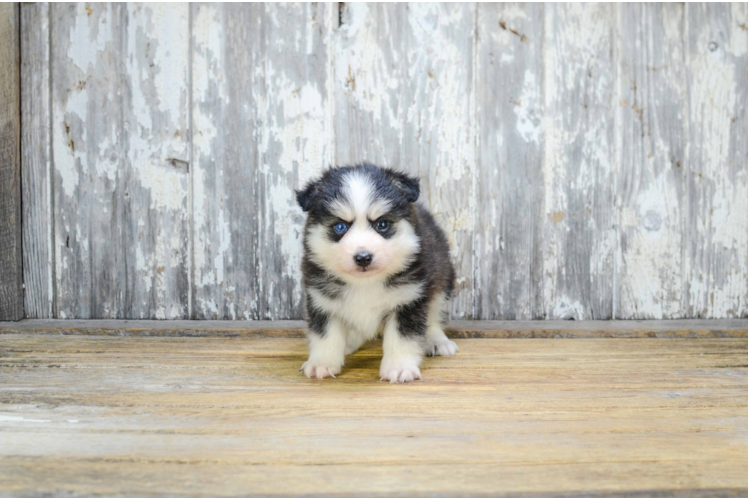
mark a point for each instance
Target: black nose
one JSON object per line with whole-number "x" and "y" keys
{"x": 363, "y": 259}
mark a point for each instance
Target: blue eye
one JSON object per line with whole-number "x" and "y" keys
{"x": 382, "y": 225}
{"x": 341, "y": 227}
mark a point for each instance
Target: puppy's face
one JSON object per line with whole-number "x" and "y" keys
{"x": 358, "y": 225}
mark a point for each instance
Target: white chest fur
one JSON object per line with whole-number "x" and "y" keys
{"x": 362, "y": 306}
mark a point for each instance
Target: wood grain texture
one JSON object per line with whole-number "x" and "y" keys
{"x": 717, "y": 178}
{"x": 84, "y": 416}
{"x": 120, "y": 142}
{"x": 404, "y": 98}
{"x": 458, "y": 329}
{"x": 89, "y": 198}
{"x": 508, "y": 264}
{"x": 36, "y": 161}
{"x": 652, "y": 139}
{"x": 156, "y": 171}
{"x": 11, "y": 247}
{"x": 579, "y": 168}
{"x": 260, "y": 81}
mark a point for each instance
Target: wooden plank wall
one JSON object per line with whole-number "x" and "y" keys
{"x": 36, "y": 182}
{"x": 11, "y": 275}
{"x": 587, "y": 161}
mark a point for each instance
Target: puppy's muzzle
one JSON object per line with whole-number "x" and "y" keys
{"x": 363, "y": 259}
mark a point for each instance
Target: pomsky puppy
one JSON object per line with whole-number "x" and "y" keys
{"x": 375, "y": 262}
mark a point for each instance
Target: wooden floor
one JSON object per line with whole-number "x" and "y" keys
{"x": 221, "y": 416}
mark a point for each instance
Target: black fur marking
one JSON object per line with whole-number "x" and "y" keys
{"x": 386, "y": 233}
{"x": 409, "y": 185}
{"x": 431, "y": 265}
{"x": 411, "y": 318}
{"x": 318, "y": 279}
{"x": 317, "y": 319}
{"x": 398, "y": 188}
{"x": 305, "y": 196}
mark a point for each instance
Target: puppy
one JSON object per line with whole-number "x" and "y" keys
{"x": 374, "y": 262}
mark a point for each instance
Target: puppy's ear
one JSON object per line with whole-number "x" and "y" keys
{"x": 407, "y": 184}
{"x": 305, "y": 196}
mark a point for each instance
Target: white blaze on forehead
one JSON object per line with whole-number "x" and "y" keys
{"x": 360, "y": 192}
{"x": 360, "y": 202}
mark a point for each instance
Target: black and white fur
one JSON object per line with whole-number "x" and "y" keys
{"x": 389, "y": 272}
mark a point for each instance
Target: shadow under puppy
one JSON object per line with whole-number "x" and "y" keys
{"x": 374, "y": 262}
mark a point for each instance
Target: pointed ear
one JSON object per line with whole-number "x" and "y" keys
{"x": 407, "y": 184}
{"x": 305, "y": 196}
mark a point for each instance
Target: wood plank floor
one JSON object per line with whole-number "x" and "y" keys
{"x": 220, "y": 416}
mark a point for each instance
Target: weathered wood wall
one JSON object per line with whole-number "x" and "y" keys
{"x": 588, "y": 161}
{"x": 11, "y": 275}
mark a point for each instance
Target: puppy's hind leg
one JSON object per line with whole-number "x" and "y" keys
{"x": 437, "y": 342}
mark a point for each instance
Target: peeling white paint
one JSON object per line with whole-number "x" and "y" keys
{"x": 399, "y": 93}
{"x": 170, "y": 25}
{"x": 288, "y": 227}
{"x": 143, "y": 269}
{"x": 88, "y": 37}
{"x": 739, "y": 31}
{"x": 367, "y": 72}
{"x": 159, "y": 94}
{"x": 167, "y": 187}
{"x": 207, "y": 77}
{"x": 567, "y": 308}
{"x": 224, "y": 242}
{"x": 69, "y": 147}
{"x": 577, "y": 157}
{"x": 718, "y": 273}
{"x": 65, "y": 162}
{"x": 529, "y": 121}
{"x": 199, "y": 216}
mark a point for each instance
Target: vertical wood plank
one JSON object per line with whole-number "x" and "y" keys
{"x": 651, "y": 188}
{"x": 89, "y": 198}
{"x": 293, "y": 144}
{"x": 36, "y": 162}
{"x": 11, "y": 272}
{"x": 404, "y": 97}
{"x": 156, "y": 175}
{"x": 510, "y": 127}
{"x": 261, "y": 124}
{"x": 370, "y": 69}
{"x": 579, "y": 239}
{"x": 119, "y": 130}
{"x": 224, "y": 161}
{"x": 717, "y": 219}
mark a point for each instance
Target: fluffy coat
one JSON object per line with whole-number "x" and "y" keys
{"x": 375, "y": 262}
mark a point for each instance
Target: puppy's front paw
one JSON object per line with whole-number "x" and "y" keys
{"x": 399, "y": 372}
{"x": 444, "y": 347}
{"x": 319, "y": 370}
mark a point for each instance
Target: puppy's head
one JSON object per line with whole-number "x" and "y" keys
{"x": 358, "y": 225}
